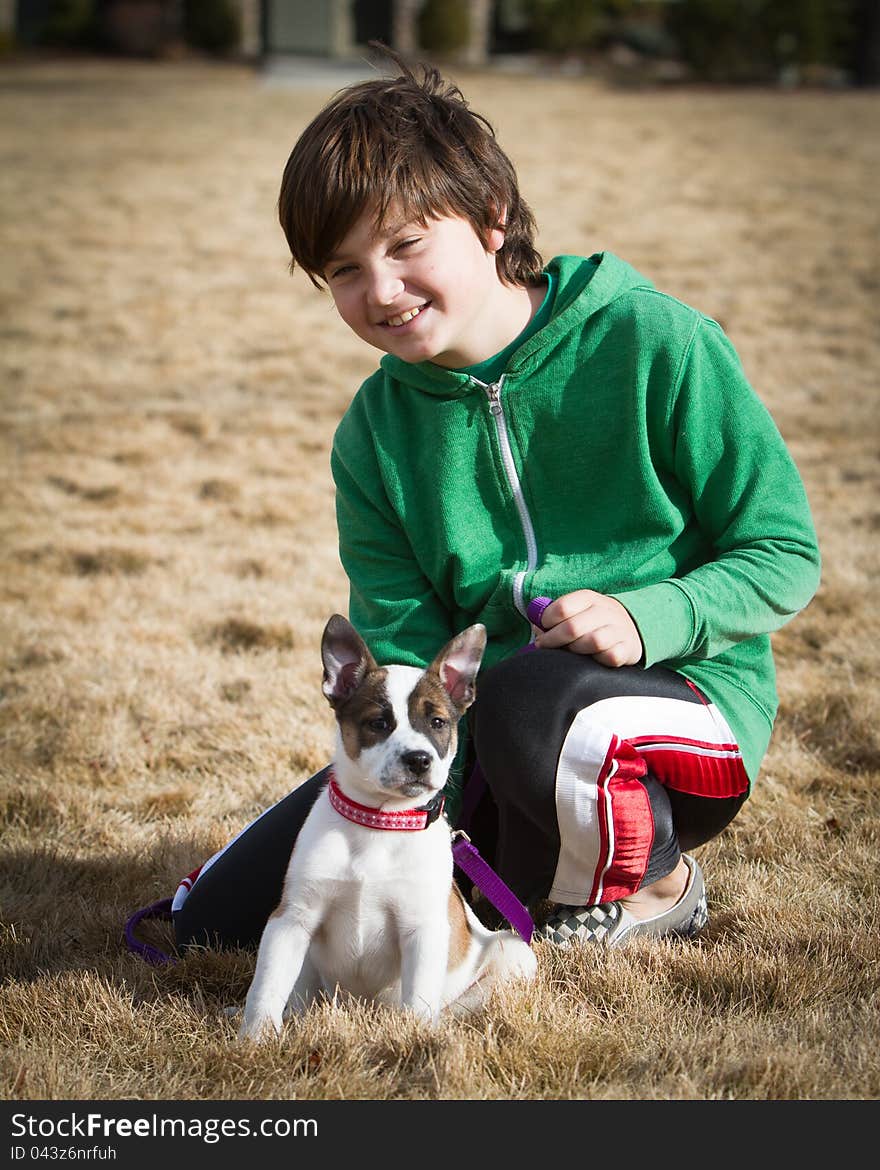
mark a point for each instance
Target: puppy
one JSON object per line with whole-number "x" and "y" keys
{"x": 369, "y": 905}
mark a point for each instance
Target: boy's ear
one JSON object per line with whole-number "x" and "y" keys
{"x": 495, "y": 240}
{"x": 497, "y": 234}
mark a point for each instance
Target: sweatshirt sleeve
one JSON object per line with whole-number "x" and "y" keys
{"x": 750, "y": 504}
{"x": 391, "y": 602}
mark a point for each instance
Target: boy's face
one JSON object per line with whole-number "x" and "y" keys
{"x": 421, "y": 292}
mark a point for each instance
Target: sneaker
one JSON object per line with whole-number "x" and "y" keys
{"x": 610, "y": 923}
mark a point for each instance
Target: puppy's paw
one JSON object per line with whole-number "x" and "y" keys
{"x": 426, "y": 1015}
{"x": 258, "y": 1030}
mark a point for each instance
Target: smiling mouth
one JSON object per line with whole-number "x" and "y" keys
{"x": 405, "y": 318}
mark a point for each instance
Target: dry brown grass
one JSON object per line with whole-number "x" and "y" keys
{"x": 168, "y": 563}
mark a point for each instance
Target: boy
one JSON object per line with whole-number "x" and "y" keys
{"x": 563, "y": 432}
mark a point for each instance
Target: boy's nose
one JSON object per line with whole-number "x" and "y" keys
{"x": 383, "y": 288}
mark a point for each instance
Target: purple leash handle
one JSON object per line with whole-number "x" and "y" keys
{"x": 535, "y": 610}
{"x": 468, "y": 859}
{"x": 150, "y": 954}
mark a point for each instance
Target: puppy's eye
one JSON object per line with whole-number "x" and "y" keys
{"x": 380, "y": 723}
{"x": 438, "y": 723}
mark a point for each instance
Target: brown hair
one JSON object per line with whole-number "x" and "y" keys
{"x": 410, "y": 141}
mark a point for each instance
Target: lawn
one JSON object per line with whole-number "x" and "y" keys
{"x": 168, "y": 562}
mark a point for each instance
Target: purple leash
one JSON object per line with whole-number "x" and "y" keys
{"x": 468, "y": 859}
{"x": 150, "y": 954}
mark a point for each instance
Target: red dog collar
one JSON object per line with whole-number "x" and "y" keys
{"x": 374, "y": 818}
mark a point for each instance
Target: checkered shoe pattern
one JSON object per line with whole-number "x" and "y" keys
{"x": 609, "y": 923}
{"x": 582, "y": 924}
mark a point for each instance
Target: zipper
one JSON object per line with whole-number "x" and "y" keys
{"x": 496, "y": 409}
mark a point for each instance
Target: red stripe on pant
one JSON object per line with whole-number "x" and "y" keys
{"x": 629, "y": 837}
{"x": 693, "y": 767}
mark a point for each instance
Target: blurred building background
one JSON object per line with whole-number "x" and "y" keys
{"x": 790, "y": 42}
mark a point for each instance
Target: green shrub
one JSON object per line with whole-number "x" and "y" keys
{"x": 444, "y": 26}
{"x": 753, "y": 40}
{"x": 70, "y": 23}
{"x": 212, "y": 25}
{"x": 811, "y": 32}
{"x": 562, "y": 26}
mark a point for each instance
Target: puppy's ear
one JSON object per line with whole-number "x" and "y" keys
{"x": 458, "y": 662}
{"x": 346, "y": 659}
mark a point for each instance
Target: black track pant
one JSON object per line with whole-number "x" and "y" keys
{"x": 598, "y": 776}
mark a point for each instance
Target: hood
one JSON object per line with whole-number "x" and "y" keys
{"x": 583, "y": 287}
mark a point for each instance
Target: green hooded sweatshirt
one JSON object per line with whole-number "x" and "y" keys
{"x": 622, "y": 450}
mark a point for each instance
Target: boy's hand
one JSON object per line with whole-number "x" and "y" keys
{"x": 591, "y": 623}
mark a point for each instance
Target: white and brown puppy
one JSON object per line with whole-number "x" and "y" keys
{"x": 369, "y": 905}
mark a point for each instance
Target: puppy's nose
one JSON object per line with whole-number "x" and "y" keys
{"x": 416, "y": 762}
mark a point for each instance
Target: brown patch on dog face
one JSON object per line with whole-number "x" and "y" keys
{"x": 433, "y": 714}
{"x": 366, "y": 717}
{"x": 459, "y": 931}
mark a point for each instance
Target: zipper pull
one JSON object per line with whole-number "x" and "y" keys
{"x": 493, "y": 393}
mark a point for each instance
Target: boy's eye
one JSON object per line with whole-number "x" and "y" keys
{"x": 343, "y": 270}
